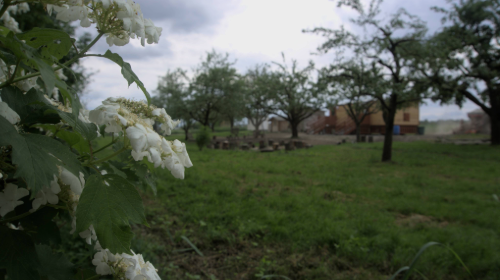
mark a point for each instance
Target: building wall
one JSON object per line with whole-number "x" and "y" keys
{"x": 413, "y": 113}
{"x": 263, "y": 126}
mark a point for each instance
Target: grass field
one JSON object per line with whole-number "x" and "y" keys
{"x": 330, "y": 212}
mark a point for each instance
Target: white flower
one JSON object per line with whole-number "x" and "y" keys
{"x": 141, "y": 138}
{"x": 76, "y": 184}
{"x": 9, "y": 198}
{"x": 101, "y": 260}
{"x": 139, "y": 269}
{"x": 8, "y": 113}
{"x": 88, "y": 235}
{"x": 119, "y": 39}
{"x": 153, "y": 33}
{"x": 107, "y": 114}
{"x": 141, "y": 155}
{"x": 180, "y": 149}
{"x": 47, "y": 195}
{"x": 75, "y": 10}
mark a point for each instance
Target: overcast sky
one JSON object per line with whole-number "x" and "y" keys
{"x": 251, "y": 31}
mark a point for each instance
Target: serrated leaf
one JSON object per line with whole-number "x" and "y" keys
{"x": 18, "y": 255}
{"x": 54, "y": 44}
{"x": 31, "y": 57}
{"x": 108, "y": 203}
{"x": 37, "y": 156}
{"x": 127, "y": 72}
{"x": 54, "y": 266}
{"x": 30, "y": 106}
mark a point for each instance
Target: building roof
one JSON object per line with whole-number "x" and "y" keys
{"x": 477, "y": 111}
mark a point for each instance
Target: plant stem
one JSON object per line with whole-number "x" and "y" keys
{"x": 20, "y": 216}
{"x": 82, "y": 52}
{"x": 104, "y": 147}
{"x": 6, "y": 5}
{"x": 108, "y": 157}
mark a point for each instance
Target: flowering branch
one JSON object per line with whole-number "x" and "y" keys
{"x": 80, "y": 55}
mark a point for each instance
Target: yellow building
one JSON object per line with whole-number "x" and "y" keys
{"x": 339, "y": 122}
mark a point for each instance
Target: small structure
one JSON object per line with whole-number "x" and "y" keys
{"x": 264, "y": 126}
{"x": 479, "y": 122}
{"x": 339, "y": 122}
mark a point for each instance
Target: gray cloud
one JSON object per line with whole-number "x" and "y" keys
{"x": 130, "y": 52}
{"x": 187, "y": 16}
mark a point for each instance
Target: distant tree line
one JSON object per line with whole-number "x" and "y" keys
{"x": 216, "y": 92}
{"x": 394, "y": 63}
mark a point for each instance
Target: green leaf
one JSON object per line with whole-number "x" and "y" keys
{"x": 26, "y": 104}
{"x": 37, "y": 156}
{"x": 31, "y": 107}
{"x": 108, "y": 203}
{"x": 8, "y": 58}
{"x": 146, "y": 178}
{"x": 111, "y": 169}
{"x": 87, "y": 130}
{"x": 40, "y": 223}
{"x": 18, "y": 255}
{"x": 31, "y": 57}
{"x": 127, "y": 72}
{"x": 73, "y": 139}
{"x": 54, "y": 267}
{"x": 53, "y": 44}
{"x": 4, "y": 31}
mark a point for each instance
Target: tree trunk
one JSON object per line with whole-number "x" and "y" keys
{"x": 358, "y": 133}
{"x": 389, "y": 127}
{"x": 295, "y": 129}
{"x": 495, "y": 127}
{"x": 212, "y": 126}
{"x": 186, "y": 132}
{"x": 231, "y": 123}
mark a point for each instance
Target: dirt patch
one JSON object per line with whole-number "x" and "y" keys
{"x": 414, "y": 220}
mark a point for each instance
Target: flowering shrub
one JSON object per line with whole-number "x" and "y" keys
{"x": 48, "y": 164}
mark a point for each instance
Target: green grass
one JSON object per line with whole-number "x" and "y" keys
{"x": 330, "y": 212}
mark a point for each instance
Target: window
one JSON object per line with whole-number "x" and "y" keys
{"x": 406, "y": 117}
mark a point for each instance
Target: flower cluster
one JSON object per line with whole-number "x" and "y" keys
{"x": 120, "y": 20}
{"x": 136, "y": 119}
{"x": 9, "y": 21}
{"x": 124, "y": 266}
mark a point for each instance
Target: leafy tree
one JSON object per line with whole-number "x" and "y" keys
{"x": 203, "y": 137}
{"x": 173, "y": 95}
{"x": 390, "y": 44}
{"x": 356, "y": 85}
{"x": 259, "y": 86}
{"x": 296, "y": 96}
{"x": 213, "y": 82}
{"x": 462, "y": 60}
